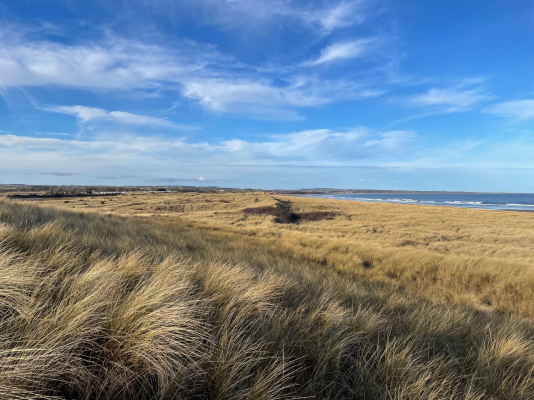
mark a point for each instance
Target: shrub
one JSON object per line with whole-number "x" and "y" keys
{"x": 289, "y": 217}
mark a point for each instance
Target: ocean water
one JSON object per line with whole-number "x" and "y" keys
{"x": 488, "y": 201}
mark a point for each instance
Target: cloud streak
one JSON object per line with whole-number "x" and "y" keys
{"x": 323, "y": 146}
{"x": 114, "y": 177}
{"x": 312, "y": 147}
{"x": 64, "y": 174}
{"x": 342, "y": 51}
{"x": 128, "y": 144}
{"x": 518, "y": 109}
{"x": 191, "y": 71}
{"x": 449, "y": 100}
{"x": 262, "y": 100}
{"x": 321, "y": 17}
{"x": 232, "y": 159}
{"x": 114, "y": 63}
{"x": 87, "y": 114}
{"x": 199, "y": 179}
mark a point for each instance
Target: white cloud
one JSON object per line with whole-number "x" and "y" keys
{"x": 114, "y": 177}
{"x": 50, "y": 133}
{"x": 323, "y": 146}
{"x": 86, "y": 114}
{"x": 258, "y": 99}
{"x": 191, "y": 70}
{"x": 455, "y": 98}
{"x": 63, "y": 174}
{"x": 262, "y": 100}
{"x": 312, "y": 147}
{"x": 28, "y": 142}
{"x": 324, "y": 16}
{"x": 121, "y": 144}
{"x": 343, "y": 14}
{"x": 147, "y": 157}
{"x": 135, "y": 119}
{"x": 199, "y": 179}
{"x": 114, "y": 63}
{"x": 342, "y": 51}
{"x": 519, "y": 109}
{"x": 449, "y": 100}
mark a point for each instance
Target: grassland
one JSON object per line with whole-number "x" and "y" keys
{"x": 167, "y": 296}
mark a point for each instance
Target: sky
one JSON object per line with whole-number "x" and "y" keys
{"x": 271, "y": 94}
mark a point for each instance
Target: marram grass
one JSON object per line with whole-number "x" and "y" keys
{"x": 109, "y": 307}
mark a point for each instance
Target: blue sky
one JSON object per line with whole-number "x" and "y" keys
{"x": 382, "y": 94}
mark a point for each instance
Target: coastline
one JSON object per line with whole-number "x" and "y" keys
{"x": 478, "y": 201}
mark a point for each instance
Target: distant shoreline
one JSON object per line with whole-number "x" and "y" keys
{"x": 488, "y": 201}
{"x": 349, "y": 191}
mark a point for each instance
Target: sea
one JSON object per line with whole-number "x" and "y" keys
{"x": 487, "y": 201}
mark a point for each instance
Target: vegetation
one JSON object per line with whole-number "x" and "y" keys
{"x": 203, "y": 301}
{"x": 284, "y": 215}
{"x": 43, "y": 191}
{"x": 476, "y": 258}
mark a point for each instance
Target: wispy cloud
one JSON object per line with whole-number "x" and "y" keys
{"x": 114, "y": 177}
{"x": 86, "y": 114}
{"x": 263, "y": 100}
{"x": 342, "y": 14}
{"x": 50, "y": 133}
{"x": 518, "y": 109}
{"x": 113, "y": 63}
{"x": 323, "y": 146}
{"x": 220, "y": 161}
{"x": 449, "y": 100}
{"x": 342, "y": 51}
{"x": 128, "y": 144}
{"x": 313, "y": 147}
{"x": 199, "y": 179}
{"x": 258, "y": 99}
{"x": 322, "y": 16}
{"x": 60, "y": 173}
{"x": 194, "y": 71}
{"x": 435, "y": 101}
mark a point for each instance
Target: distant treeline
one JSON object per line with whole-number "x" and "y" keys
{"x": 30, "y": 191}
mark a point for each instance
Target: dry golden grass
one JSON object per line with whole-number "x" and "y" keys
{"x": 481, "y": 258}
{"x": 203, "y": 301}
